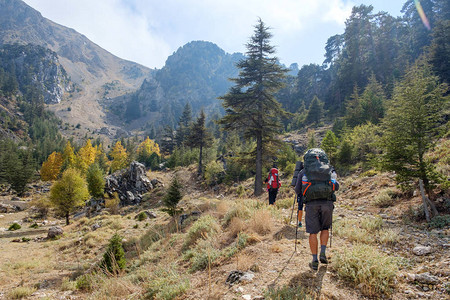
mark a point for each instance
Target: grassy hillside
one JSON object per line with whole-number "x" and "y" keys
{"x": 375, "y": 230}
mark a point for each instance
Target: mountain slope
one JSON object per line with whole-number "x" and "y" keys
{"x": 87, "y": 64}
{"x": 197, "y": 72}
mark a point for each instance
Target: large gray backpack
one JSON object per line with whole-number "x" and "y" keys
{"x": 316, "y": 182}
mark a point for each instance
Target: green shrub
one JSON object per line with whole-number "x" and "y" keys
{"x": 85, "y": 283}
{"x": 141, "y": 216}
{"x": 114, "y": 257}
{"x": 439, "y": 222}
{"x": 14, "y": 226}
{"x": 287, "y": 293}
{"x": 204, "y": 227}
{"x": 369, "y": 173}
{"x": 25, "y": 239}
{"x": 34, "y": 225}
{"x": 384, "y": 199}
{"x": 214, "y": 173}
{"x": 240, "y": 191}
{"x": 202, "y": 255}
{"x": 364, "y": 266}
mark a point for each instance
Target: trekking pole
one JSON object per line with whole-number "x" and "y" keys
{"x": 293, "y": 205}
{"x": 296, "y": 229}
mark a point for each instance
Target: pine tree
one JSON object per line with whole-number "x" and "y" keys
{"x": 412, "y": 123}
{"x": 200, "y": 138}
{"x": 184, "y": 125}
{"x": 69, "y": 192}
{"x": 95, "y": 181}
{"x": 329, "y": 144}
{"x": 250, "y": 105}
{"x": 114, "y": 257}
{"x": 315, "y": 111}
{"x": 172, "y": 197}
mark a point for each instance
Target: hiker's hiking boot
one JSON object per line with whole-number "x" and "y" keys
{"x": 314, "y": 265}
{"x": 323, "y": 259}
{"x": 300, "y": 224}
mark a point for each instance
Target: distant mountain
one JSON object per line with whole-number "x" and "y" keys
{"x": 197, "y": 73}
{"x": 95, "y": 72}
{"x": 83, "y": 60}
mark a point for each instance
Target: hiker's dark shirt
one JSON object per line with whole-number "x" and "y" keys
{"x": 298, "y": 185}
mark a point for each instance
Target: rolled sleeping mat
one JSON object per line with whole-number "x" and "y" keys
{"x": 298, "y": 168}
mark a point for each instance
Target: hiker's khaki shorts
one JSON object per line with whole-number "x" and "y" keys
{"x": 318, "y": 215}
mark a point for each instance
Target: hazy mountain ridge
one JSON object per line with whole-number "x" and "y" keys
{"x": 197, "y": 72}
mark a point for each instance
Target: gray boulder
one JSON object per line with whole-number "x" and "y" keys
{"x": 54, "y": 232}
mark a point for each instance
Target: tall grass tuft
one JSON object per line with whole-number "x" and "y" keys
{"x": 367, "y": 268}
{"x": 205, "y": 226}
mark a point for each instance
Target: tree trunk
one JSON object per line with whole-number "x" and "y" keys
{"x": 258, "y": 177}
{"x": 67, "y": 218}
{"x": 200, "y": 161}
{"x": 425, "y": 206}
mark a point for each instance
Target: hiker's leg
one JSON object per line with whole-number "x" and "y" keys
{"x": 300, "y": 215}
{"x": 313, "y": 244}
{"x": 324, "y": 235}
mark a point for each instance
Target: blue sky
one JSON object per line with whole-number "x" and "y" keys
{"x": 148, "y": 31}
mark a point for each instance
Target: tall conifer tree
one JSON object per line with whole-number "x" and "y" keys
{"x": 412, "y": 123}
{"x": 250, "y": 104}
{"x": 200, "y": 138}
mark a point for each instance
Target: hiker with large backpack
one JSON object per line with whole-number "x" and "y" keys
{"x": 298, "y": 197}
{"x": 317, "y": 184}
{"x": 273, "y": 184}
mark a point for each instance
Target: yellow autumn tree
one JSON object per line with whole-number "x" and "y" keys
{"x": 52, "y": 166}
{"x": 68, "y": 156}
{"x": 85, "y": 157}
{"x": 148, "y": 151}
{"x": 119, "y": 157}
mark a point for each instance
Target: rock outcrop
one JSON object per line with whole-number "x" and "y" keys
{"x": 130, "y": 184}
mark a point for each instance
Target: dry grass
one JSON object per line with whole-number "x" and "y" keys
{"x": 368, "y": 230}
{"x": 20, "y": 292}
{"x": 276, "y": 248}
{"x": 364, "y": 266}
{"x": 236, "y": 225}
{"x": 261, "y": 222}
{"x": 222, "y": 208}
{"x": 244, "y": 261}
{"x": 204, "y": 227}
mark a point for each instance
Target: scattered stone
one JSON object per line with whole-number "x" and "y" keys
{"x": 422, "y": 250}
{"x": 247, "y": 297}
{"x": 247, "y": 276}
{"x": 424, "y": 278}
{"x": 95, "y": 226}
{"x": 54, "y": 232}
{"x": 427, "y": 278}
